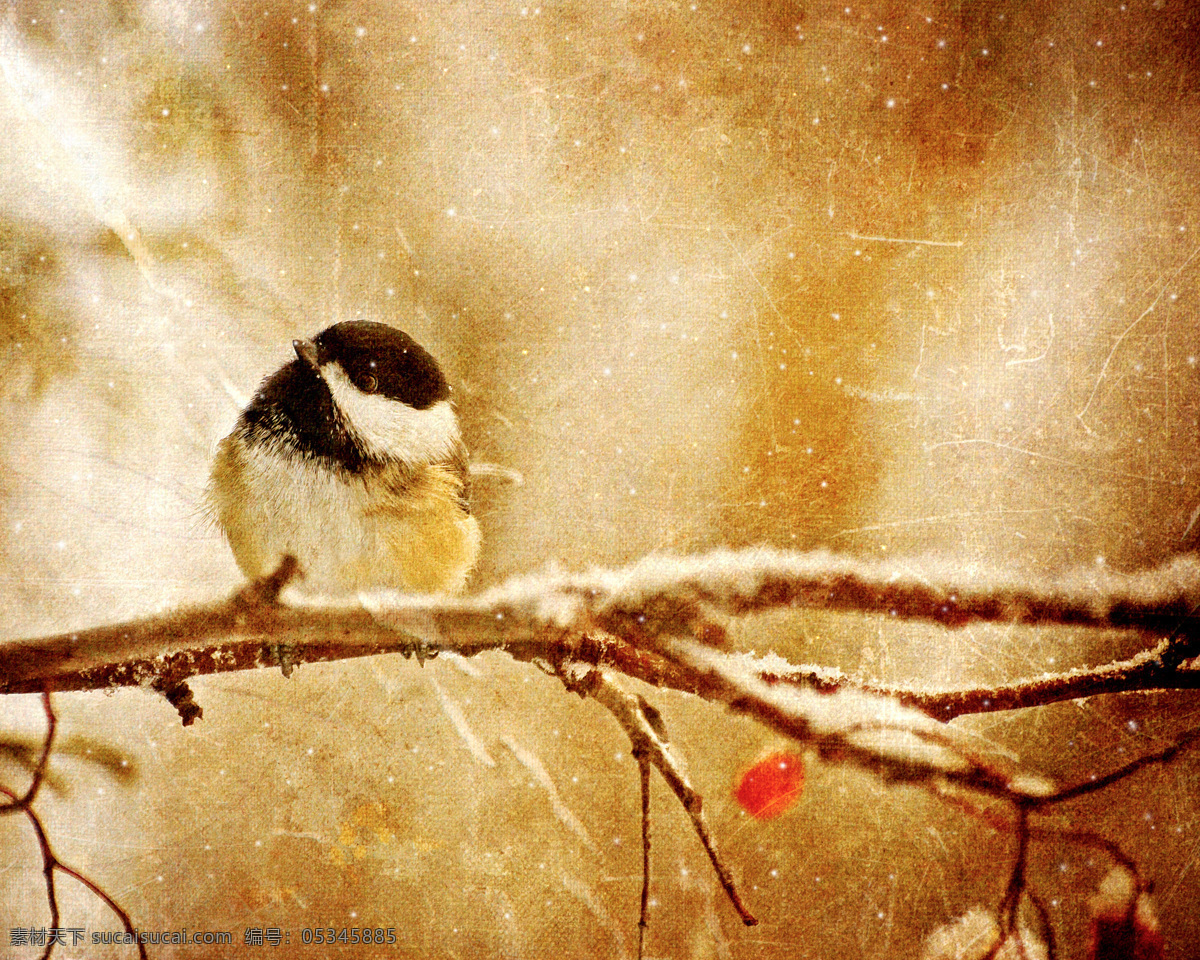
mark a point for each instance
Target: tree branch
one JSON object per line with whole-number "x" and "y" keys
{"x": 617, "y": 617}
{"x": 657, "y": 621}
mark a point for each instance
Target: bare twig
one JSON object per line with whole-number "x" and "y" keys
{"x": 1011, "y": 902}
{"x": 643, "y": 726}
{"x": 1184, "y": 741}
{"x": 39, "y": 770}
{"x": 50, "y": 861}
{"x": 643, "y": 762}
{"x": 1047, "y": 929}
{"x": 993, "y": 818}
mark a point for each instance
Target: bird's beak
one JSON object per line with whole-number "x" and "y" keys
{"x": 306, "y": 350}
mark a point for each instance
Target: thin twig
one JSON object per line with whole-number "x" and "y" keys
{"x": 1162, "y": 667}
{"x": 1047, "y": 931}
{"x": 39, "y": 771}
{"x": 629, "y": 711}
{"x": 1009, "y": 904}
{"x": 112, "y": 904}
{"x": 644, "y": 910}
{"x": 50, "y": 861}
{"x": 1183, "y": 742}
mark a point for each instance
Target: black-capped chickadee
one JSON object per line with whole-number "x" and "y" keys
{"x": 349, "y": 458}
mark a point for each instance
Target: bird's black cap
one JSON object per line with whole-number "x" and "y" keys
{"x": 381, "y": 359}
{"x": 294, "y": 408}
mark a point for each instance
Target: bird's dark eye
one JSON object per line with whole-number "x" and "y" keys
{"x": 370, "y": 384}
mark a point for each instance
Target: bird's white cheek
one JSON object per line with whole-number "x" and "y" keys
{"x": 393, "y": 428}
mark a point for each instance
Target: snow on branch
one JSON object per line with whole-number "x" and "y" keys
{"x": 663, "y": 620}
{"x": 623, "y": 618}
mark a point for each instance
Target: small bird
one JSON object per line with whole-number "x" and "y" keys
{"x": 349, "y": 458}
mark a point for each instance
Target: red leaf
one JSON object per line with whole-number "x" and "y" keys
{"x": 771, "y": 786}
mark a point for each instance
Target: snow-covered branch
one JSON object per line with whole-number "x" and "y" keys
{"x": 664, "y": 621}
{"x": 626, "y": 618}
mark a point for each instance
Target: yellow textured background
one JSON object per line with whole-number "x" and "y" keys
{"x": 888, "y": 278}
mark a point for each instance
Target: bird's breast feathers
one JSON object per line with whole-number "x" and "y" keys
{"x": 386, "y": 526}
